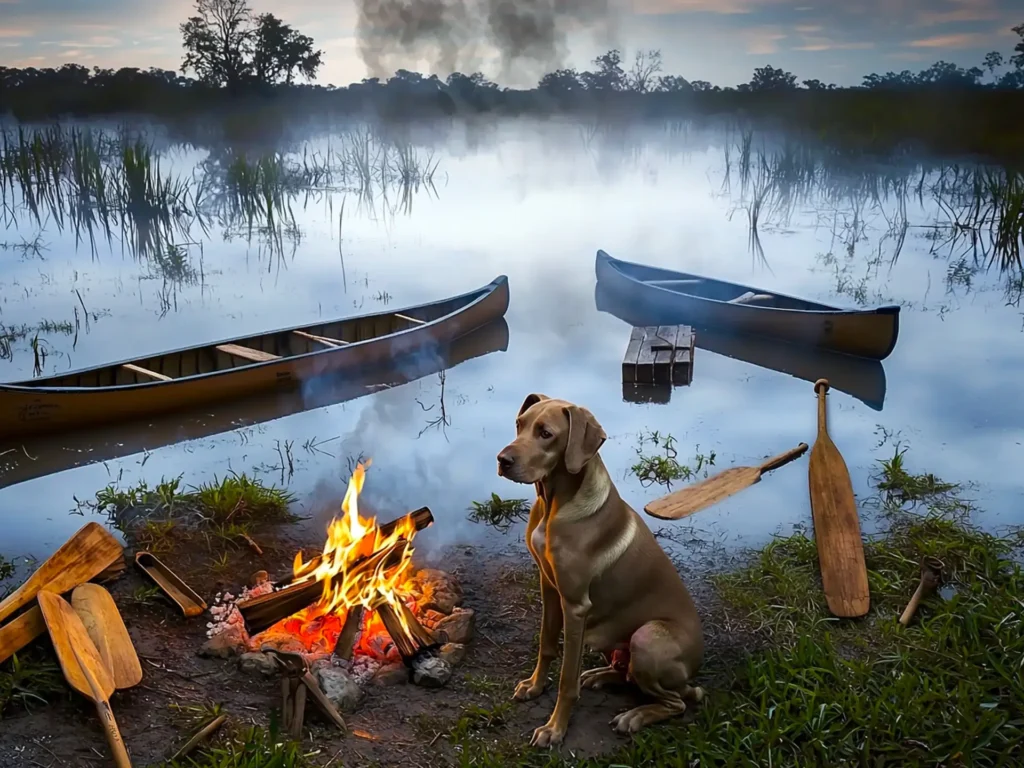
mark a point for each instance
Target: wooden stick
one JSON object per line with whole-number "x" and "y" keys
{"x": 414, "y": 320}
{"x": 931, "y": 577}
{"x": 322, "y": 702}
{"x": 419, "y": 632}
{"x": 201, "y": 735}
{"x": 406, "y": 645}
{"x": 327, "y": 341}
{"x": 299, "y": 711}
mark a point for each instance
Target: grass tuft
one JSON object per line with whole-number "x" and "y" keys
{"x": 663, "y": 467}
{"x": 499, "y": 513}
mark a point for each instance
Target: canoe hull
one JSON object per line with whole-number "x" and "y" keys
{"x": 868, "y": 333}
{"x": 33, "y": 410}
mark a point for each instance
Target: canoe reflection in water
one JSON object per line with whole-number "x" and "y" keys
{"x": 859, "y": 377}
{"x": 22, "y": 460}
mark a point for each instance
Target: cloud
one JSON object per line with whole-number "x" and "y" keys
{"x": 718, "y": 7}
{"x": 954, "y": 41}
{"x": 7, "y": 32}
{"x": 763, "y": 41}
{"x": 827, "y": 44}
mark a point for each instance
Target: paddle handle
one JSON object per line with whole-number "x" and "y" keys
{"x": 821, "y": 386}
{"x": 106, "y": 715}
{"x": 784, "y": 458}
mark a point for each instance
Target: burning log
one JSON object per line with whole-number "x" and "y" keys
{"x": 347, "y": 639}
{"x": 264, "y": 611}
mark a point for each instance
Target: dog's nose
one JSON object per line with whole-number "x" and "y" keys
{"x": 505, "y": 462}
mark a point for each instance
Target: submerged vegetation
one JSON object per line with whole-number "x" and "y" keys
{"x": 501, "y": 514}
{"x": 662, "y": 465}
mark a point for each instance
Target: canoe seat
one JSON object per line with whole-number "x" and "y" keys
{"x": 750, "y": 297}
{"x": 327, "y": 341}
{"x": 247, "y": 353}
{"x": 145, "y": 372}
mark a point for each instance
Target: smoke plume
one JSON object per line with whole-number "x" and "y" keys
{"x": 529, "y": 35}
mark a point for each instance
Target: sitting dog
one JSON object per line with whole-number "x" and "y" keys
{"x": 604, "y": 579}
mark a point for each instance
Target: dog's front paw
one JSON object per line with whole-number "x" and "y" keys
{"x": 530, "y": 688}
{"x": 547, "y": 735}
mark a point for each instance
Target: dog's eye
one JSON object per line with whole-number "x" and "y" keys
{"x": 545, "y": 435}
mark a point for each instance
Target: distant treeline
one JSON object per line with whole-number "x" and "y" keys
{"x": 946, "y": 108}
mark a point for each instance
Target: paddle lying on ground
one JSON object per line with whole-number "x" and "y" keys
{"x": 694, "y": 498}
{"x": 90, "y": 551}
{"x": 844, "y": 574}
{"x": 82, "y": 665}
{"x": 96, "y": 608}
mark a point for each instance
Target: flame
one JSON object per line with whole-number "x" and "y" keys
{"x": 351, "y": 539}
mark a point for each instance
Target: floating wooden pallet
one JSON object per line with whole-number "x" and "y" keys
{"x": 659, "y": 356}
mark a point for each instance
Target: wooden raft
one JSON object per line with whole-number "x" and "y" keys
{"x": 659, "y": 356}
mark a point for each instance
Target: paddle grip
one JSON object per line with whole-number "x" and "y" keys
{"x": 821, "y": 387}
{"x": 784, "y": 458}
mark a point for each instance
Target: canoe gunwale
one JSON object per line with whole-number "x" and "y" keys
{"x": 473, "y": 298}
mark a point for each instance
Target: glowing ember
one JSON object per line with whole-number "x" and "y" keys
{"x": 348, "y": 579}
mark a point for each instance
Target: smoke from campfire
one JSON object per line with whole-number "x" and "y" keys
{"x": 528, "y": 34}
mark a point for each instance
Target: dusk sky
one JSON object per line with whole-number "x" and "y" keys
{"x": 717, "y": 40}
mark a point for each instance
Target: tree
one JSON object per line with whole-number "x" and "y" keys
{"x": 646, "y": 65}
{"x": 609, "y": 75}
{"x": 673, "y": 84}
{"x": 993, "y": 61}
{"x": 701, "y": 85}
{"x": 768, "y": 78}
{"x": 280, "y": 52}
{"x": 224, "y": 46}
{"x": 561, "y": 81}
{"x": 1018, "y": 59}
{"x": 218, "y": 42}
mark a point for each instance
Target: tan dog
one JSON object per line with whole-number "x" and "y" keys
{"x": 604, "y": 579}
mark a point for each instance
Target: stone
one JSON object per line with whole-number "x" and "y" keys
{"x": 431, "y": 672}
{"x": 258, "y": 663}
{"x": 430, "y": 618}
{"x": 439, "y": 591}
{"x": 457, "y": 628}
{"x": 340, "y": 688}
{"x": 391, "y": 674}
{"x": 453, "y": 653}
{"x": 227, "y": 643}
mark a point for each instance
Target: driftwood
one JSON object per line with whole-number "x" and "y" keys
{"x": 264, "y": 611}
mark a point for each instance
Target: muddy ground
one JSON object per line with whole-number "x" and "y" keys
{"x": 400, "y": 724}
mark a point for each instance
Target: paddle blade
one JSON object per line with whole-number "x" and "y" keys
{"x": 20, "y": 631}
{"x": 69, "y": 635}
{"x": 844, "y": 573}
{"x": 86, "y": 554}
{"x": 706, "y": 493}
{"x": 96, "y": 608}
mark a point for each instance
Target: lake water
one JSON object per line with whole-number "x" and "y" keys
{"x": 535, "y": 202}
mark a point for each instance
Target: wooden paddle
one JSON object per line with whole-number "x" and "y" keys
{"x": 86, "y": 554}
{"x": 82, "y": 665}
{"x": 96, "y": 608}
{"x": 706, "y": 493}
{"x": 844, "y": 574}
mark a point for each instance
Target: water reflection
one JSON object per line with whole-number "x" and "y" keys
{"x": 535, "y": 202}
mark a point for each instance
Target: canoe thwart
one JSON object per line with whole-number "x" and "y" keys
{"x": 145, "y": 372}
{"x": 413, "y": 320}
{"x": 171, "y": 584}
{"x": 750, "y": 297}
{"x": 659, "y": 356}
{"x": 327, "y": 341}
{"x": 247, "y": 353}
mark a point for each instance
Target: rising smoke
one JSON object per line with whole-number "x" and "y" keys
{"x": 530, "y": 36}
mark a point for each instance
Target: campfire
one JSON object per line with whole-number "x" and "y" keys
{"x": 360, "y": 604}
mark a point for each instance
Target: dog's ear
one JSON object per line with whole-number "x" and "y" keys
{"x": 531, "y": 400}
{"x": 586, "y": 437}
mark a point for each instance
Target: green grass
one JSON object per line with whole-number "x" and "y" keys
{"x": 789, "y": 685}
{"x": 251, "y": 748}
{"x": 499, "y": 513}
{"x": 158, "y": 517}
{"x": 663, "y": 466}
{"x": 28, "y": 680}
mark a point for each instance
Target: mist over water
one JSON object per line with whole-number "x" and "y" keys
{"x": 535, "y": 201}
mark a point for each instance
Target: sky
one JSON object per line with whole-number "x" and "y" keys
{"x": 721, "y": 41}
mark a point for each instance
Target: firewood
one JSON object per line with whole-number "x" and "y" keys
{"x": 264, "y": 611}
{"x": 347, "y": 639}
{"x": 421, "y": 519}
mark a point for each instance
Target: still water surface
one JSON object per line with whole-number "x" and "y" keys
{"x": 535, "y": 203}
